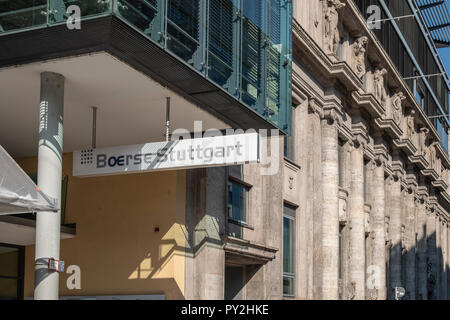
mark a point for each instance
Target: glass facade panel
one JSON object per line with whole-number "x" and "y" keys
{"x": 147, "y": 16}
{"x": 60, "y": 10}
{"x": 223, "y": 32}
{"x": 244, "y": 46}
{"x": 184, "y": 30}
{"x": 253, "y": 54}
{"x": 22, "y": 14}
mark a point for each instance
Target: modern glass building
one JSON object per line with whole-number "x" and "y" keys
{"x": 407, "y": 38}
{"x": 243, "y": 47}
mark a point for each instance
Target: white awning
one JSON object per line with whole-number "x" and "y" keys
{"x": 18, "y": 193}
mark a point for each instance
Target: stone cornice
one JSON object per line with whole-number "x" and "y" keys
{"x": 369, "y": 103}
{"x": 411, "y": 181}
{"x": 381, "y": 153}
{"x": 406, "y": 145}
{"x": 430, "y": 173}
{"x": 419, "y": 160}
{"x": 446, "y": 198}
{"x": 397, "y": 168}
{"x": 440, "y": 184}
{"x": 390, "y": 127}
{"x": 422, "y": 192}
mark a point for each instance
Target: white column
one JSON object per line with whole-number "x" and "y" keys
{"x": 330, "y": 213}
{"x": 357, "y": 223}
{"x": 49, "y": 181}
{"x": 378, "y": 227}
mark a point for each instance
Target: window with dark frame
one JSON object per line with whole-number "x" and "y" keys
{"x": 237, "y": 202}
{"x": 288, "y": 250}
{"x": 12, "y": 260}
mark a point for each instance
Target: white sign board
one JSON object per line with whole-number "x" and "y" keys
{"x": 180, "y": 154}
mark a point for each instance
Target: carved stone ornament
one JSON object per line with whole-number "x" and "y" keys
{"x": 372, "y": 294}
{"x": 423, "y": 133}
{"x": 359, "y": 50}
{"x": 431, "y": 155}
{"x": 410, "y": 126}
{"x": 397, "y": 108}
{"x": 351, "y": 290}
{"x": 332, "y": 35}
{"x": 291, "y": 182}
{"x": 379, "y": 86}
{"x": 314, "y": 107}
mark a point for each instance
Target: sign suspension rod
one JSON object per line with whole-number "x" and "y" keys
{"x": 94, "y": 127}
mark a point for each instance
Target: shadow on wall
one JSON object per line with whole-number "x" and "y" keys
{"x": 429, "y": 278}
{"x": 131, "y": 235}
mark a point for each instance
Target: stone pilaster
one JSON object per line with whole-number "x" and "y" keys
{"x": 444, "y": 245}
{"x": 357, "y": 222}
{"x": 378, "y": 229}
{"x": 431, "y": 255}
{"x": 410, "y": 246}
{"x": 448, "y": 260}
{"x": 421, "y": 289}
{"x": 387, "y": 218}
{"x": 314, "y": 201}
{"x": 438, "y": 256}
{"x": 395, "y": 229}
{"x": 205, "y": 226}
{"x": 330, "y": 206}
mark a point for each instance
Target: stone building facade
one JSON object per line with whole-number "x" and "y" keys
{"x": 367, "y": 178}
{"x": 373, "y": 190}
